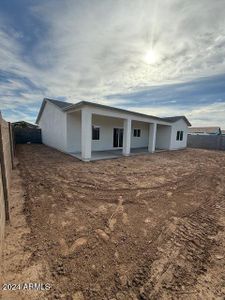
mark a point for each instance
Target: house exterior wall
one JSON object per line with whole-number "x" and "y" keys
{"x": 179, "y": 125}
{"x": 62, "y": 130}
{"x": 53, "y": 124}
{"x": 142, "y": 141}
{"x": 106, "y": 125}
{"x": 163, "y": 137}
{"x": 74, "y": 132}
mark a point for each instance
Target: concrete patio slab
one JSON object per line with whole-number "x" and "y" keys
{"x": 110, "y": 154}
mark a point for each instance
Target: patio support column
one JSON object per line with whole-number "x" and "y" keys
{"x": 86, "y": 134}
{"x": 126, "y": 137}
{"x": 152, "y": 137}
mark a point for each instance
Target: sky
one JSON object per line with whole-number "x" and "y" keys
{"x": 162, "y": 57}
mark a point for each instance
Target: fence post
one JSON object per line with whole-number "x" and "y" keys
{"x": 4, "y": 181}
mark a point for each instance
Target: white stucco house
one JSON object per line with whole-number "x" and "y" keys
{"x": 91, "y": 131}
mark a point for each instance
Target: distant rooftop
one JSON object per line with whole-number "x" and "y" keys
{"x": 206, "y": 130}
{"x": 24, "y": 124}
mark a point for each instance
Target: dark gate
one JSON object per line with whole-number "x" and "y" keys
{"x": 27, "y": 135}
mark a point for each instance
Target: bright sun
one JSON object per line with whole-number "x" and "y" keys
{"x": 151, "y": 57}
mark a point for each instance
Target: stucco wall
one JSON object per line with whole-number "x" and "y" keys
{"x": 106, "y": 125}
{"x": 53, "y": 126}
{"x": 74, "y": 132}
{"x": 5, "y": 137}
{"x": 163, "y": 137}
{"x": 179, "y": 125}
{"x": 106, "y": 133}
{"x": 2, "y": 215}
{"x": 6, "y": 150}
{"x": 212, "y": 142}
{"x": 142, "y": 141}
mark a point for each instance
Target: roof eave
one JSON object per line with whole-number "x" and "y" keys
{"x": 186, "y": 120}
{"x": 40, "y": 111}
{"x": 83, "y": 103}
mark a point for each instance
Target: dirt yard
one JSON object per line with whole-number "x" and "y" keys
{"x": 142, "y": 227}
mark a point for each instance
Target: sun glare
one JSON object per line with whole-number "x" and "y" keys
{"x": 150, "y": 57}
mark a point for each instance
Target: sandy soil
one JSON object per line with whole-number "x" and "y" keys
{"x": 143, "y": 227}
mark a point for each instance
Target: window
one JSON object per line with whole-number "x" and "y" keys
{"x": 180, "y": 135}
{"x": 95, "y": 133}
{"x": 137, "y": 132}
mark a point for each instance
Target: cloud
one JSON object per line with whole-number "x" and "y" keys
{"x": 95, "y": 50}
{"x": 195, "y": 92}
{"x": 210, "y": 115}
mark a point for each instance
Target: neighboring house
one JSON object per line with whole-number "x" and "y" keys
{"x": 24, "y": 124}
{"x": 25, "y": 132}
{"x": 223, "y": 132}
{"x": 84, "y": 128}
{"x": 204, "y": 130}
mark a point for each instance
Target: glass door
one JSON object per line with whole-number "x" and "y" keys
{"x": 117, "y": 137}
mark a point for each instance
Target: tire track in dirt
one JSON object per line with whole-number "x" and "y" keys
{"x": 104, "y": 233}
{"x": 183, "y": 252}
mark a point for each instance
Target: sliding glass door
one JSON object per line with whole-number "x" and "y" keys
{"x": 117, "y": 137}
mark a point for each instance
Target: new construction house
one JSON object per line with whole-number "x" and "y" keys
{"x": 92, "y": 131}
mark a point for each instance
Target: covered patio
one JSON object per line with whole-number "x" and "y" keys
{"x": 110, "y": 154}
{"x": 95, "y": 134}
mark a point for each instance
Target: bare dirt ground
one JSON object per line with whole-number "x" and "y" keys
{"x": 142, "y": 227}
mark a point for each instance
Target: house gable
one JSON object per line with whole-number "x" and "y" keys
{"x": 53, "y": 122}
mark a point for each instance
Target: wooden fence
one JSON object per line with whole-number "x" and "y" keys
{"x": 6, "y": 166}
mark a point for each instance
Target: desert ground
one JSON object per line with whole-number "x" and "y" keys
{"x": 142, "y": 227}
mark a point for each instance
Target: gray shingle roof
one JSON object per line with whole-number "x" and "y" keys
{"x": 60, "y": 104}
{"x": 176, "y": 118}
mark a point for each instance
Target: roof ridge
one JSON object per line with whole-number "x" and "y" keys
{"x": 60, "y": 101}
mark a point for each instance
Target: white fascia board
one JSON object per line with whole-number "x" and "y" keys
{"x": 120, "y": 115}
